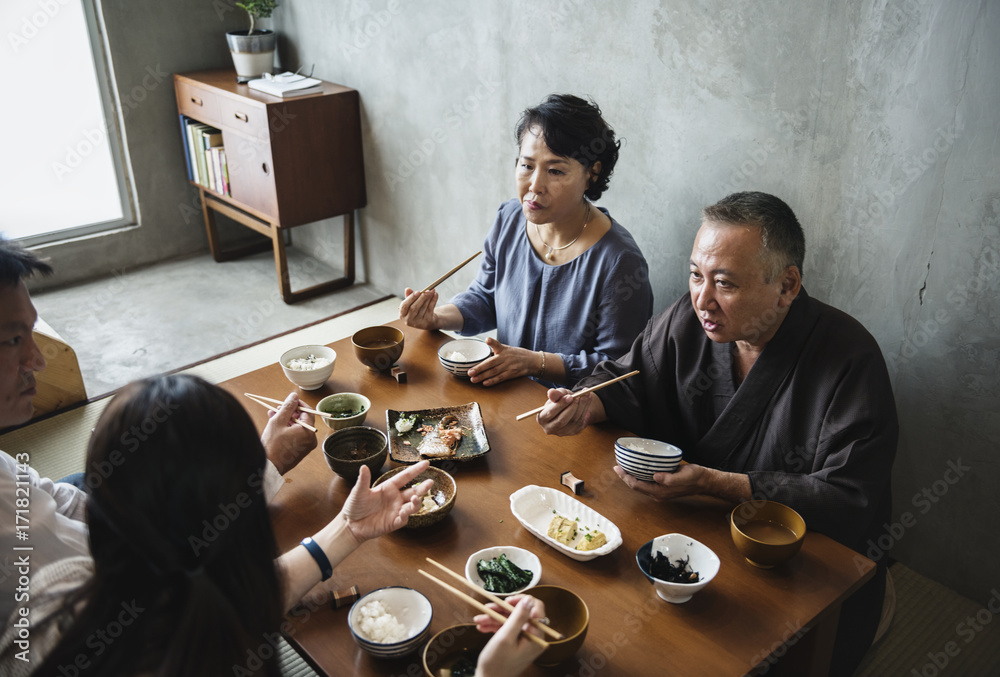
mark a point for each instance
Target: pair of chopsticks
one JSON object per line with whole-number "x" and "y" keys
{"x": 451, "y": 272}
{"x": 504, "y": 604}
{"x": 263, "y": 401}
{"x": 575, "y": 395}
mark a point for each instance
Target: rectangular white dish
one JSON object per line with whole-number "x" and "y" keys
{"x": 535, "y": 506}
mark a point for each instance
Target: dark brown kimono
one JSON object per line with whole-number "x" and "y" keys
{"x": 813, "y": 425}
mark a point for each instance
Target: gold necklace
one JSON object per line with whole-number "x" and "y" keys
{"x": 548, "y": 254}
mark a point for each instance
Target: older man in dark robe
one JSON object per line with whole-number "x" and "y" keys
{"x": 770, "y": 393}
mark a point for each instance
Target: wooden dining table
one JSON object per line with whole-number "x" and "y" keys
{"x": 747, "y": 620}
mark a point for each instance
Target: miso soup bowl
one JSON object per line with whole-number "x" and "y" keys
{"x": 379, "y": 347}
{"x": 568, "y": 614}
{"x": 452, "y": 644}
{"x": 766, "y": 533}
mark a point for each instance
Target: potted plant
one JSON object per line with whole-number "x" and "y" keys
{"x": 253, "y": 50}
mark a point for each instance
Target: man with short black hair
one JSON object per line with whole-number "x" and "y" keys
{"x": 770, "y": 394}
{"x": 49, "y": 516}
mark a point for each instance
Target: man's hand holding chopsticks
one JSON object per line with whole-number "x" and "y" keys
{"x": 566, "y": 415}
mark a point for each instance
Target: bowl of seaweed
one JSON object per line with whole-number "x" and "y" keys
{"x": 677, "y": 565}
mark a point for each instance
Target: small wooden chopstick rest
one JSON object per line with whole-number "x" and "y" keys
{"x": 322, "y": 594}
{"x": 575, "y": 485}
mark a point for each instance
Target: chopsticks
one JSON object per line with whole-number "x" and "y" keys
{"x": 493, "y": 598}
{"x": 581, "y": 392}
{"x": 500, "y": 618}
{"x": 451, "y": 272}
{"x": 280, "y": 402}
{"x": 272, "y": 408}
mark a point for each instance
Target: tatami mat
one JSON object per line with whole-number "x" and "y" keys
{"x": 57, "y": 445}
{"x": 935, "y": 632}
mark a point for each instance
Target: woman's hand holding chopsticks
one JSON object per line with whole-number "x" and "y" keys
{"x": 285, "y": 442}
{"x": 509, "y": 652}
{"x": 419, "y": 309}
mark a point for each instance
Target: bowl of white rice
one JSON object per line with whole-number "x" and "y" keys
{"x": 308, "y": 367}
{"x": 461, "y": 355}
{"x": 391, "y": 622}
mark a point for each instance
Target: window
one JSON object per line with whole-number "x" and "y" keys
{"x": 62, "y": 173}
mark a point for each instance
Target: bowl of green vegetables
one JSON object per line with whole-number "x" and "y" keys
{"x": 344, "y": 410}
{"x": 504, "y": 570}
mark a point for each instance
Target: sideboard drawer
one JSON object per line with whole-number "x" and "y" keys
{"x": 197, "y": 102}
{"x": 244, "y": 116}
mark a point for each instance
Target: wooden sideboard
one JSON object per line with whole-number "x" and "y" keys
{"x": 290, "y": 161}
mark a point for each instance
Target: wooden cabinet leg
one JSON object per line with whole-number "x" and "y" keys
{"x": 349, "y": 247}
{"x": 213, "y": 235}
{"x": 281, "y": 265}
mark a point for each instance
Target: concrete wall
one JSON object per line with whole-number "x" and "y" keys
{"x": 148, "y": 42}
{"x": 875, "y": 119}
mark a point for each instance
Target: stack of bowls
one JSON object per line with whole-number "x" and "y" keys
{"x": 409, "y": 607}
{"x": 461, "y": 355}
{"x": 641, "y": 458}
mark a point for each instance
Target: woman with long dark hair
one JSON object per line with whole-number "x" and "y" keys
{"x": 185, "y": 577}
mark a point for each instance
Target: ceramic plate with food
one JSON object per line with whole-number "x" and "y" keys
{"x": 442, "y": 434}
{"x": 564, "y": 523}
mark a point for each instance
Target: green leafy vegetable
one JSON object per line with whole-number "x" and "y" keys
{"x": 501, "y": 575}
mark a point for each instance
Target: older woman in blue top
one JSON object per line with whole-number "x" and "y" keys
{"x": 563, "y": 283}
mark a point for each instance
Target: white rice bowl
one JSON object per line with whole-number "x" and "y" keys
{"x": 390, "y": 622}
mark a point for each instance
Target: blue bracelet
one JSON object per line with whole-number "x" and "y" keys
{"x": 325, "y": 568}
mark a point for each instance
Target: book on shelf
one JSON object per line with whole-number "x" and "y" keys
{"x": 225, "y": 171}
{"x": 200, "y": 141}
{"x": 193, "y": 130}
{"x": 217, "y": 169}
{"x": 185, "y": 122}
{"x": 286, "y": 85}
{"x": 210, "y": 138}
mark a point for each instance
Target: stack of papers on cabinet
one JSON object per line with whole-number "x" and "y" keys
{"x": 286, "y": 85}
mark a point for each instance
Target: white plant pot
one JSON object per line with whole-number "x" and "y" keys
{"x": 253, "y": 55}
